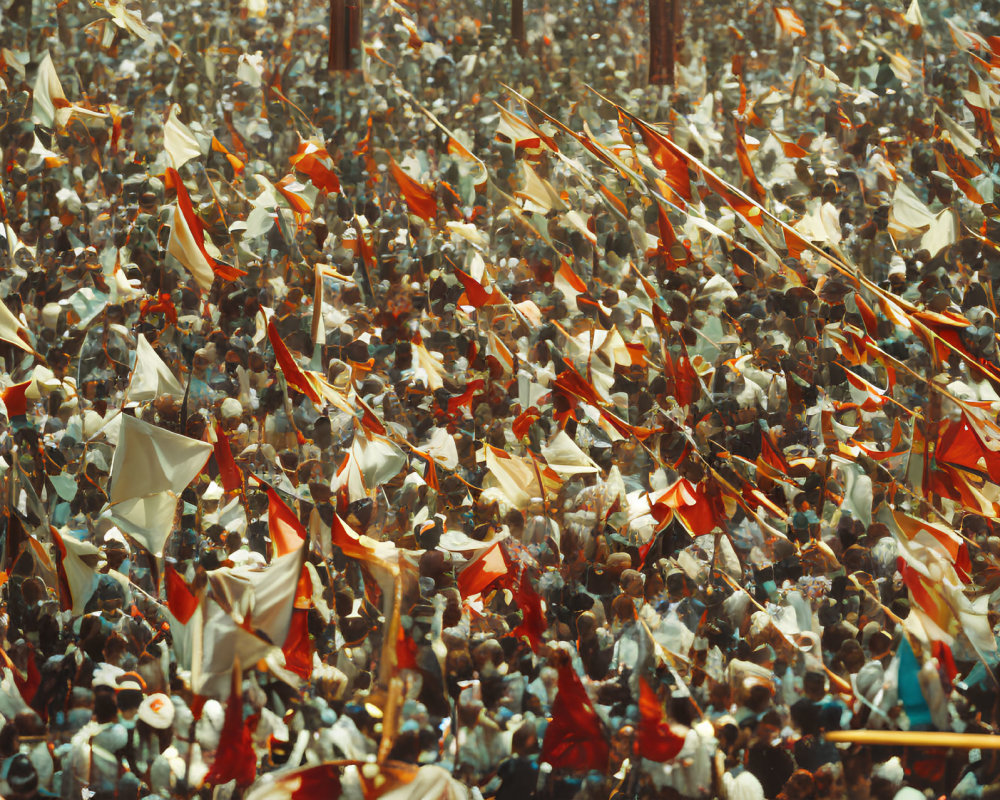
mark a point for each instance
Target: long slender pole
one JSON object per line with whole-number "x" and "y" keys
{"x": 517, "y": 22}
{"x": 663, "y": 18}
{"x": 963, "y": 741}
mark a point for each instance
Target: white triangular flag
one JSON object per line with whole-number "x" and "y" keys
{"x": 48, "y": 94}
{"x": 150, "y": 376}
{"x": 149, "y": 460}
{"x": 179, "y": 141}
{"x": 10, "y": 327}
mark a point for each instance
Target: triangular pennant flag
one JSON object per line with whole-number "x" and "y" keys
{"x": 316, "y": 162}
{"x": 77, "y": 565}
{"x": 574, "y": 738}
{"x": 420, "y": 201}
{"x": 655, "y": 740}
{"x": 178, "y": 141}
{"x": 287, "y": 533}
{"x": 151, "y": 378}
{"x": 229, "y": 472}
{"x": 298, "y": 647}
{"x": 235, "y": 759}
{"x": 48, "y": 94}
{"x": 149, "y": 460}
{"x": 12, "y": 330}
{"x": 181, "y": 601}
{"x": 187, "y": 241}
{"x": 487, "y": 566}
{"x": 293, "y": 373}
{"x": 149, "y": 519}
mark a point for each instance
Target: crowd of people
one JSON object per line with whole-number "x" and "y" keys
{"x": 486, "y": 422}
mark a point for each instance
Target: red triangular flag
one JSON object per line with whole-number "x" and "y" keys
{"x": 294, "y": 375}
{"x": 181, "y": 601}
{"x": 298, "y": 648}
{"x": 479, "y": 573}
{"x": 15, "y": 401}
{"x": 235, "y": 758}
{"x": 575, "y": 736}
{"x": 287, "y": 533}
{"x": 655, "y": 740}
{"x": 229, "y": 472}
{"x": 533, "y": 623}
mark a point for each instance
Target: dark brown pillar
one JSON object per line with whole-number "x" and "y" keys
{"x": 517, "y": 22}
{"x": 664, "y": 19}
{"x": 345, "y": 35}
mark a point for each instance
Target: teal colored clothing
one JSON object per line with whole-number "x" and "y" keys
{"x": 910, "y": 692}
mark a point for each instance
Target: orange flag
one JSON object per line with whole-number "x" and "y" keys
{"x": 420, "y": 201}
{"x": 789, "y": 22}
{"x": 485, "y": 568}
{"x": 287, "y": 533}
{"x": 316, "y": 162}
{"x": 475, "y": 292}
{"x": 668, "y": 159}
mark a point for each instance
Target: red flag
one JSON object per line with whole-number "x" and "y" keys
{"x": 655, "y": 740}
{"x": 668, "y": 238}
{"x": 406, "y": 650}
{"x": 575, "y": 737}
{"x": 28, "y": 684}
{"x": 232, "y": 478}
{"x": 14, "y": 399}
{"x": 693, "y": 505}
{"x": 533, "y": 623}
{"x": 475, "y": 292}
{"x": 867, "y": 315}
{"x": 420, "y": 201}
{"x": 485, "y": 568}
{"x": 187, "y": 240}
{"x": 455, "y": 403}
{"x": 960, "y": 446}
{"x": 307, "y": 783}
{"x": 235, "y": 758}
{"x": 181, "y": 601}
{"x": 298, "y": 648}
{"x": 292, "y": 372}
{"x": 524, "y": 422}
{"x": 287, "y": 533}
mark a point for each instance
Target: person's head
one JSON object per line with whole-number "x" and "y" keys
{"x": 805, "y": 717}
{"x": 105, "y": 705}
{"x": 10, "y": 741}
{"x": 830, "y": 782}
{"x": 814, "y": 685}
{"x": 22, "y": 778}
{"x": 524, "y": 741}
